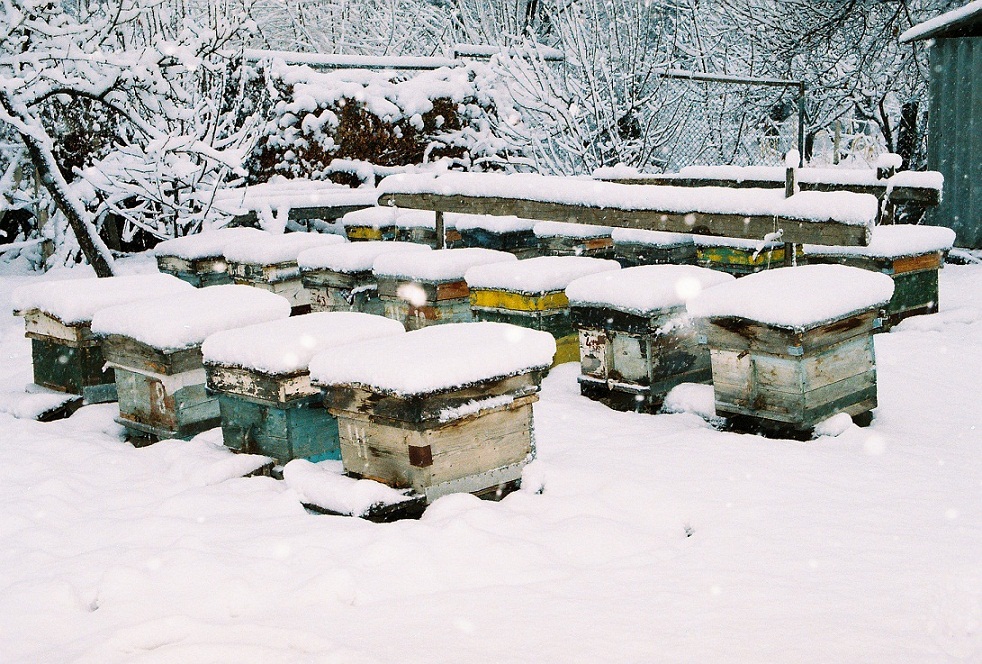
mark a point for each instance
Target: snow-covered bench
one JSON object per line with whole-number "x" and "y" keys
{"x": 446, "y": 409}
{"x": 633, "y": 247}
{"x": 199, "y": 259}
{"x": 339, "y": 277}
{"x": 154, "y": 346}
{"x": 270, "y": 263}
{"x": 636, "y": 340}
{"x": 429, "y": 289}
{"x": 793, "y": 346}
{"x": 267, "y": 403}
{"x": 839, "y": 218}
{"x": 67, "y": 356}
{"x": 273, "y": 204}
{"x": 557, "y": 238}
{"x": 911, "y": 255}
{"x": 530, "y": 293}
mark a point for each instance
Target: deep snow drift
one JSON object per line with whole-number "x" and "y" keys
{"x": 655, "y": 538}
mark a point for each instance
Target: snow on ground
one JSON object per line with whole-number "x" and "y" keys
{"x": 656, "y": 538}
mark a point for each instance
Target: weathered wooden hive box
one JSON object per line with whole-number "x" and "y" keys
{"x": 372, "y": 223}
{"x": 447, "y": 409}
{"x": 339, "y": 277}
{"x": 270, "y": 263}
{"x": 154, "y": 346}
{"x": 739, "y": 257}
{"x": 267, "y": 403}
{"x": 420, "y": 226}
{"x": 419, "y": 290}
{"x": 636, "y": 340}
{"x": 633, "y": 247}
{"x": 910, "y": 255}
{"x": 556, "y": 238}
{"x": 502, "y": 233}
{"x": 67, "y": 356}
{"x": 199, "y": 259}
{"x": 531, "y": 293}
{"x": 793, "y": 346}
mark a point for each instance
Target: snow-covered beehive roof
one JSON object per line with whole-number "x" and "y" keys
{"x": 206, "y": 244}
{"x": 796, "y": 297}
{"x": 439, "y": 265}
{"x": 536, "y": 275}
{"x": 894, "y": 241}
{"x": 183, "y": 321}
{"x": 280, "y": 195}
{"x": 489, "y": 222}
{"x": 564, "y": 229}
{"x": 422, "y": 219}
{"x": 352, "y": 257}
{"x": 75, "y": 301}
{"x": 437, "y": 358}
{"x": 372, "y": 217}
{"x": 286, "y": 346}
{"x": 736, "y": 243}
{"x": 273, "y": 249}
{"x": 654, "y": 238}
{"x": 644, "y": 290}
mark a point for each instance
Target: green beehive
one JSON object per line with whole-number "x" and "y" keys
{"x": 558, "y": 238}
{"x": 633, "y": 247}
{"x": 501, "y": 233}
{"x": 66, "y": 355}
{"x": 267, "y": 403}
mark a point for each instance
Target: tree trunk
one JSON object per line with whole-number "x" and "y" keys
{"x": 907, "y": 134}
{"x": 31, "y": 132}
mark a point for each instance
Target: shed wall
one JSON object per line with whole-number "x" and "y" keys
{"x": 955, "y": 136}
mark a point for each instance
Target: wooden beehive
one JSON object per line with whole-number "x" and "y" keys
{"x": 739, "y": 257}
{"x": 419, "y": 226}
{"x": 501, "y": 233}
{"x": 794, "y": 346}
{"x": 442, "y": 410}
{"x": 423, "y": 290}
{"x": 634, "y": 247}
{"x": 270, "y": 263}
{"x": 66, "y": 355}
{"x": 372, "y": 223}
{"x": 265, "y": 398}
{"x": 911, "y": 255}
{"x": 636, "y": 340}
{"x": 339, "y": 277}
{"x": 531, "y": 293}
{"x": 154, "y": 346}
{"x": 556, "y": 238}
{"x": 199, "y": 259}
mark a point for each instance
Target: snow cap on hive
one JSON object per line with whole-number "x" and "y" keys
{"x": 489, "y": 222}
{"x": 646, "y": 289}
{"x": 565, "y": 229}
{"x": 894, "y": 241}
{"x": 178, "y": 322}
{"x": 796, "y": 297}
{"x": 272, "y": 249}
{"x": 437, "y": 266}
{"x": 435, "y": 359}
{"x": 285, "y": 346}
{"x": 206, "y": 244}
{"x": 653, "y": 238}
{"x": 352, "y": 257}
{"x": 536, "y": 275}
{"x": 422, "y": 219}
{"x": 378, "y": 216}
{"x": 75, "y": 301}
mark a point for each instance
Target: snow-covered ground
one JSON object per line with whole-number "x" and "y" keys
{"x": 655, "y": 538}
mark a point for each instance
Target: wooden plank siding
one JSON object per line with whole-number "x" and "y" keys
{"x": 593, "y": 247}
{"x": 202, "y": 272}
{"x": 440, "y": 302}
{"x": 798, "y": 231}
{"x": 633, "y": 254}
{"x": 342, "y": 291}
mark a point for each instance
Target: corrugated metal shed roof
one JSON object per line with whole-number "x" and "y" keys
{"x": 962, "y": 22}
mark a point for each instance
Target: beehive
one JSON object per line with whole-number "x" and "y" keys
{"x": 270, "y": 263}
{"x": 420, "y": 226}
{"x": 910, "y": 255}
{"x": 199, "y": 259}
{"x": 154, "y": 346}
{"x": 636, "y": 340}
{"x": 66, "y": 355}
{"x": 501, "y": 233}
{"x": 339, "y": 277}
{"x": 557, "y": 238}
{"x": 531, "y": 293}
{"x": 739, "y": 257}
{"x": 267, "y": 403}
{"x": 441, "y": 410}
{"x": 429, "y": 289}
{"x": 793, "y": 346}
{"x": 372, "y": 223}
{"x": 633, "y": 247}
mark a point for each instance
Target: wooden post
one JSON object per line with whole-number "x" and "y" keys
{"x": 441, "y": 236}
{"x": 888, "y": 209}
{"x": 790, "y": 185}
